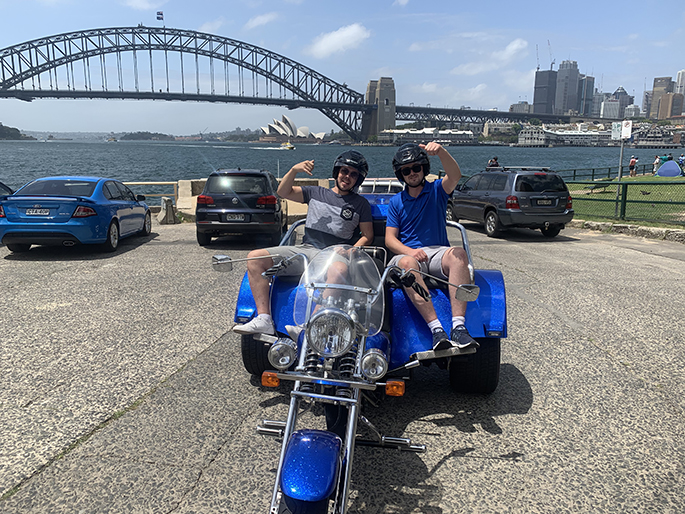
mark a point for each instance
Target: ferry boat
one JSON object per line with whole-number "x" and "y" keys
{"x": 287, "y": 146}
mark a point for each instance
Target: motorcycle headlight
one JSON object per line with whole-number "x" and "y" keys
{"x": 331, "y": 333}
{"x": 282, "y": 353}
{"x": 374, "y": 364}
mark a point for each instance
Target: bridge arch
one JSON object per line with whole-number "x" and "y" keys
{"x": 26, "y": 67}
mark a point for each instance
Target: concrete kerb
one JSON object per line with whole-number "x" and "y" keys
{"x": 664, "y": 234}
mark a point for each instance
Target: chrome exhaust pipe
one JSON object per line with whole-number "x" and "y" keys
{"x": 68, "y": 243}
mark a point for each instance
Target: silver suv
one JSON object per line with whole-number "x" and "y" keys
{"x": 525, "y": 197}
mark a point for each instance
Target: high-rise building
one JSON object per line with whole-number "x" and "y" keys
{"x": 567, "y": 88}
{"x": 545, "y": 92}
{"x": 597, "y": 99}
{"x": 609, "y": 109}
{"x": 662, "y": 85}
{"x": 680, "y": 82}
{"x": 586, "y": 88}
{"x": 646, "y": 102}
{"x": 632, "y": 111}
{"x": 624, "y": 100}
{"x": 670, "y": 104}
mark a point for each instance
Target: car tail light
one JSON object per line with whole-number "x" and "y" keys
{"x": 83, "y": 212}
{"x": 2, "y": 212}
{"x": 512, "y": 202}
{"x": 205, "y": 200}
{"x": 266, "y": 200}
{"x": 569, "y": 202}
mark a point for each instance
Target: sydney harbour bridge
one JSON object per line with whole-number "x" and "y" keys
{"x": 152, "y": 63}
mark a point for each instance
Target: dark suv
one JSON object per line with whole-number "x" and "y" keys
{"x": 240, "y": 202}
{"x": 513, "y": 197}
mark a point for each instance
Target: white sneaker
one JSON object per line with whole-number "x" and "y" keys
{"x": 257, "y": 325}
{"x": 294, "y": 331}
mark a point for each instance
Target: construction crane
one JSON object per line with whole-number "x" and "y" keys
{"x": 551, "y": 58}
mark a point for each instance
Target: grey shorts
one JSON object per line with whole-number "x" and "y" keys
{"x": 434, "y": 264}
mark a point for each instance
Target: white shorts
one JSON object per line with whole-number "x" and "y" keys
{"x": 433, "y": 265}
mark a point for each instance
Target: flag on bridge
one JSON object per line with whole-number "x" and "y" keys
{"x": 160, "y": 15}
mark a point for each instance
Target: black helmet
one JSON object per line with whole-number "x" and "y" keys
{"x": 408, "y": 153}
{"x": 355, "y": 160}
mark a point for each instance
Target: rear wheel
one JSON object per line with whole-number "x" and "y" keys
{"x": 478, "y": 372}
{"x": 492, "y": 225}
{"x": 18, "y": 247}
{"x": 303, "y": 507}
{"x": 255, "y": 355}
{"x": 551, "y": 231}
{"x": 112, "y": 242}
{"x": 203, "y": 239}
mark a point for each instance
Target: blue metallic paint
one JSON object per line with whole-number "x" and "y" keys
{"x": 311, "y": 465}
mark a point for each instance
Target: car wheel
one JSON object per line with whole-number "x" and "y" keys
{"x": 479, "y": 372}
{"x": 112, "y": 242}
{"x": 450, "y": 216}
{"x": 551, "y": 231}
{"x": 203, "y": 239}
{"x": 492, "y": 224}
{"x": 255, "y": 355}
{"x": 18, "y": 247}
{"x": 147, "y": 225}
{"x": 276, "y": 238}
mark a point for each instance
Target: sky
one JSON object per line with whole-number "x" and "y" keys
{"x": 442, "y": 53}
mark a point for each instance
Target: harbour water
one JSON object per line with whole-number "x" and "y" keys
{"x": 22, "y": 161}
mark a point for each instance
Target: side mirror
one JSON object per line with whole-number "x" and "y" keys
{"x": 467, "y": 293}
{"x": 222, "y": 263}
{"x": 140, "y": 198}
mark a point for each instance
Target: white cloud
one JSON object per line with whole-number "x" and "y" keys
{"x": 260, "y": 20}
{"x": 144, "y": 5}
{"x": 341, "y": 40}
{"x": 400, "y": 2}
{"x": 495, "y": 60}
{"x": 212, "y": 27}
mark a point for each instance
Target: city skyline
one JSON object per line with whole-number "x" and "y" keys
{"x": 478, "y": 56}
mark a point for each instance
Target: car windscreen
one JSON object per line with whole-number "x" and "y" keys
{"x": 540, "y": 182}
{"x": 59, "y": 187}
{"x": 246, "y": 184}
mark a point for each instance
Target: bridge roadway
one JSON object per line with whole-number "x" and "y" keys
{"x": 589, "y": 415}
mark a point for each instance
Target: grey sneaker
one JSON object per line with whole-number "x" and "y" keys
{"x": 257, "y": 325}
{"x": 462, "y": 339}
{"x": 440, "y": 340}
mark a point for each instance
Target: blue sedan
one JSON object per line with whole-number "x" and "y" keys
{"x": 72, "y": 210}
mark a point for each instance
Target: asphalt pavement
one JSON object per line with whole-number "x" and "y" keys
{"x": 123, "y": 390}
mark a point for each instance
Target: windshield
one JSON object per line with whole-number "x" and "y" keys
{"x": 218, "y": 184}
{"x": 345, "y": 278}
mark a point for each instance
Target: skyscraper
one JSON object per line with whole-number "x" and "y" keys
{"x": 567, "y": 87}
{"x": 586, "y": 89}
{"x": 545, "y": 92}
{"x": 624, "y": 100}
{"x": 662, "y": 85}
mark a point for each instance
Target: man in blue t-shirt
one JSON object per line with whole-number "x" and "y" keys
{"x": 334, "y": 216}
{"x": 416, "y": 231}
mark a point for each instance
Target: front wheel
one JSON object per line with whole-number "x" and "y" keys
{"x": 303, "y": 507}
{"x": 255, "y": 355}
{"x": 492, "y": 225}
{"x": 551, "y": 231}
{"x": 112, "y": 242}
{"x": 478, "y": 372}
{"x": 147, "y": 225}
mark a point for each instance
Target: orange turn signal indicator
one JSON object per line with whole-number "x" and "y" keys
{"x": 270, "y": 379}
{"x": 394, "y": 388}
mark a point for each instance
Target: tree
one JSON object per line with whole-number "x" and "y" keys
{"x": 535, "y": 121}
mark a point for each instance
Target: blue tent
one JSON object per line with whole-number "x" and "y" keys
{"x": 668, "y": 169}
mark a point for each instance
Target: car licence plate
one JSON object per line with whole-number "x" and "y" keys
{"x": 235, "y": 217}
{"x": 544, "y": 202}
{"x": 37, "y": 212}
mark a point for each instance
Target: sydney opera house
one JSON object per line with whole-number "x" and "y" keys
{"x": 285, "y": 130}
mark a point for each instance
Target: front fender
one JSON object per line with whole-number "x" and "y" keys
{"x": 311, "y": 465}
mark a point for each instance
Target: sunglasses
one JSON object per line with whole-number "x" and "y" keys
{"x": 417, "y": 168}
{"x": 353, "y": 174}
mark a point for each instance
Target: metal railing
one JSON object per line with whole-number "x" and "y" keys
{"x": 654, "y": 202}
{"x": 149, "y": 187}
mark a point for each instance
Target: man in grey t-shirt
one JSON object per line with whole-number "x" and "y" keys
{"x": 333, "y": 217}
